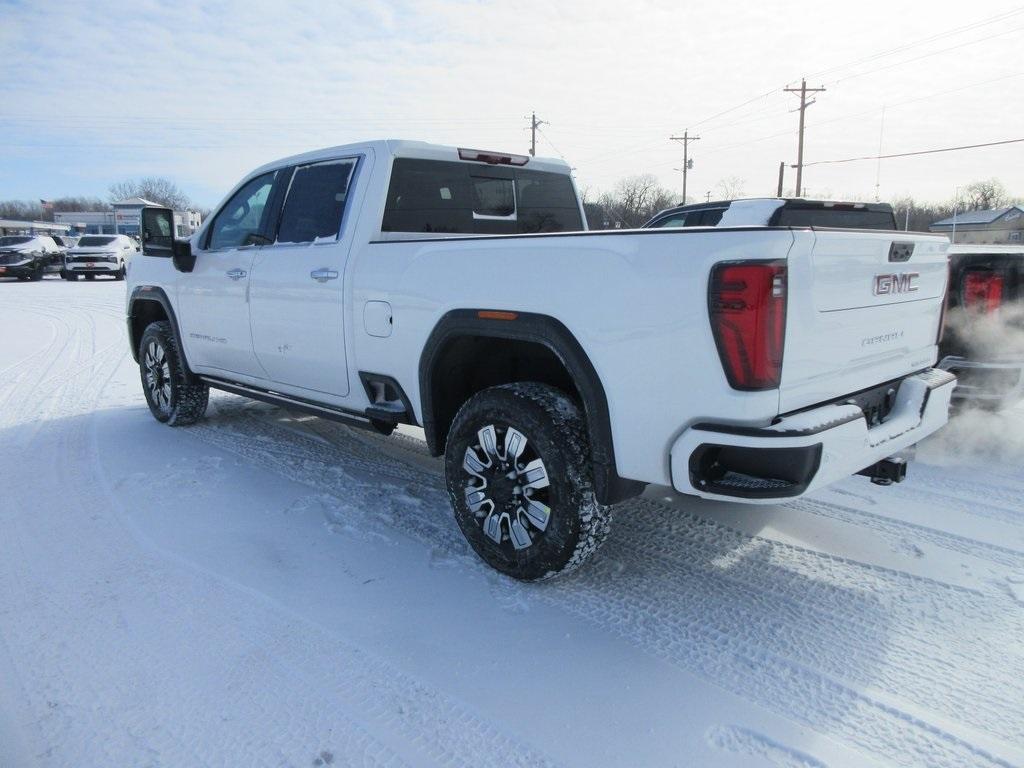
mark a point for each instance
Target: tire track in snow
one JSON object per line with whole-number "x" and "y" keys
{"x": 655, "y": 604}
{"x": 898, "y": 531}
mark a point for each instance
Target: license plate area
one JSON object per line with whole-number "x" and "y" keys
{"x": 876, "y": 403}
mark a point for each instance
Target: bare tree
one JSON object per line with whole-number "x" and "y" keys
{"x": 159, "y": 190}
{"x": 635, "y": 199}
{"x": 731, "y": 188}
{"x": 984, "y": 195}
{"x": 33, "y": 210}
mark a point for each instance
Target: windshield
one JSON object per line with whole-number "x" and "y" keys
{"x": 93, "y": 241}
{"x": 14, "y": 240}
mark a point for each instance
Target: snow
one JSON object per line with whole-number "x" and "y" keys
{"x": 269, "y": 589}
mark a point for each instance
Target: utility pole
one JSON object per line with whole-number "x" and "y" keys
{"x": 534, "y": 125}
{"x": 803, "y": 90}
{"x": 686, "y": 138}
{"x": 782, "y": 174}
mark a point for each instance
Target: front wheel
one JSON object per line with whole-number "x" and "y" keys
{"x": 90, "y": 277}
{"x": 119, "y": 275}
{"x": 519, "y": 476}
{"x": 174, "y": 396}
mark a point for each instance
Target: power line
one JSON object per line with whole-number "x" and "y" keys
{"x": 921, "y": 152}
{"x": 922, "y": 41}
{"x": 985, "y": 39}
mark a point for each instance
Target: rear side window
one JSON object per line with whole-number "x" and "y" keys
{"x": 316, "y": 202}
{"x": 463, "y": 198}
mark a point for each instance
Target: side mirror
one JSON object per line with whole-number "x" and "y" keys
{"x": 157, "y": 231}
{"x": 158, "y": 238}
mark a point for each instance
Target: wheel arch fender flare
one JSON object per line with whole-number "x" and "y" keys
{"x": 552, "y": 334}
{"x": 140, "y": 295}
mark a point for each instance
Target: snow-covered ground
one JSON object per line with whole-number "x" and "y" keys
{"x": 269, "y": 589}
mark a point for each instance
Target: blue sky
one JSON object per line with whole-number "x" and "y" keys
{"x": 93, "y": 93}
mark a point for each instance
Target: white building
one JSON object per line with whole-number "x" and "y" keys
{"x": 124, "y": 219}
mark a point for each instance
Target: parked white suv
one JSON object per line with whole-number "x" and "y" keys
{"x": 558, "y": 371}
{"x": 99, "y": 255}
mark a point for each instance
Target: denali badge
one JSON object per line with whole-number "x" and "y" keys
{"x": 891, "y": 284}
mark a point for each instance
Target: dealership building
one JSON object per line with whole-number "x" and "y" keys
{"x": 124, "y": 219}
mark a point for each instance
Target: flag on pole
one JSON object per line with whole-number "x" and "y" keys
{"x": 47, "y": 205}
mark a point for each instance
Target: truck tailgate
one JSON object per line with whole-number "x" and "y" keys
{"x": 864, "y": 308}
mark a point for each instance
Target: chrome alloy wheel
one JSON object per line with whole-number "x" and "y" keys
{"x": 158, "y": 375}
{"x": 507, "y": 487}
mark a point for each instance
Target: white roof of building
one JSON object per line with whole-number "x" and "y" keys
{"x": 135, "y": 202}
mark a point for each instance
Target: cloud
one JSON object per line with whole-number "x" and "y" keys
{"x": 203, "y": 92}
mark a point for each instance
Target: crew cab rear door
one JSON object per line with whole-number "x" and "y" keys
{"x": 297, "y": 287}
{"x": 864, "y": 307}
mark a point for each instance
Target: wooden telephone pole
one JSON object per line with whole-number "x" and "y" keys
{"x": 803, "y": 90}
{"x": 686, "y": 138}
{"x": 534, "y": 125}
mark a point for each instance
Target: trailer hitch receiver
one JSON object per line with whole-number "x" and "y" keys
{"x": 886, "y": 471}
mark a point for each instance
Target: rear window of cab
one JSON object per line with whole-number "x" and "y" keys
{"x": 437, "y": 196}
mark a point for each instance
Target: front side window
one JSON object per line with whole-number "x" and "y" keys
{"x": 242, "y": 216}
{"x": 14, "y": 240}
{"x": 315, "y": 202}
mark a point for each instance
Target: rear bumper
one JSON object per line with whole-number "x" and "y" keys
{"x": 805, "y": 451}
{"x": 986, "y": 383}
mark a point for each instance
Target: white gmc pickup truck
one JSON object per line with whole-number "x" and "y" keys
{"x": 559, "y": 371}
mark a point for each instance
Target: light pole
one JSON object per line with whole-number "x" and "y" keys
{"x": 956, "y": 207}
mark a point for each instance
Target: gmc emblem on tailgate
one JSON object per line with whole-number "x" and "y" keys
{"x": 887, "y": 285}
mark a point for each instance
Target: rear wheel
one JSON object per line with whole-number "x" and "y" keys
{"x": 518, "y": 472}
{"x": 173, "y": 394}
{"x": 37, "y": 274}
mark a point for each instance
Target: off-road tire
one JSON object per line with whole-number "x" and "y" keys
{"x": 180, "y": 399}
{"x": 554, "y": 428}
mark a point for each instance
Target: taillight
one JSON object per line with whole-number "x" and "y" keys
{"x": 747, "y": 305}
{"x": 945, "y": 303}
{"x": 982, "y": 291}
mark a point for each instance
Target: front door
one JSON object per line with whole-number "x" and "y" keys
{"x": 297, "y": 287}
{"x": 213, "y": 298}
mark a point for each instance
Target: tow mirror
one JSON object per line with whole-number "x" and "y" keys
{"x": 157, "y": 231}
{"x": 158, "y": 238}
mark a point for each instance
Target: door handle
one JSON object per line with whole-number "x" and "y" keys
{"x": 236, "y": 274}
{"x": 323, "y": 275}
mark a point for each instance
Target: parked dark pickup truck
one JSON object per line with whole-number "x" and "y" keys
{"x": 984, "y": 339}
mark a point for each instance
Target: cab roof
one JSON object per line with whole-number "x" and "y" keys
{"x": 412, "y": 149}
